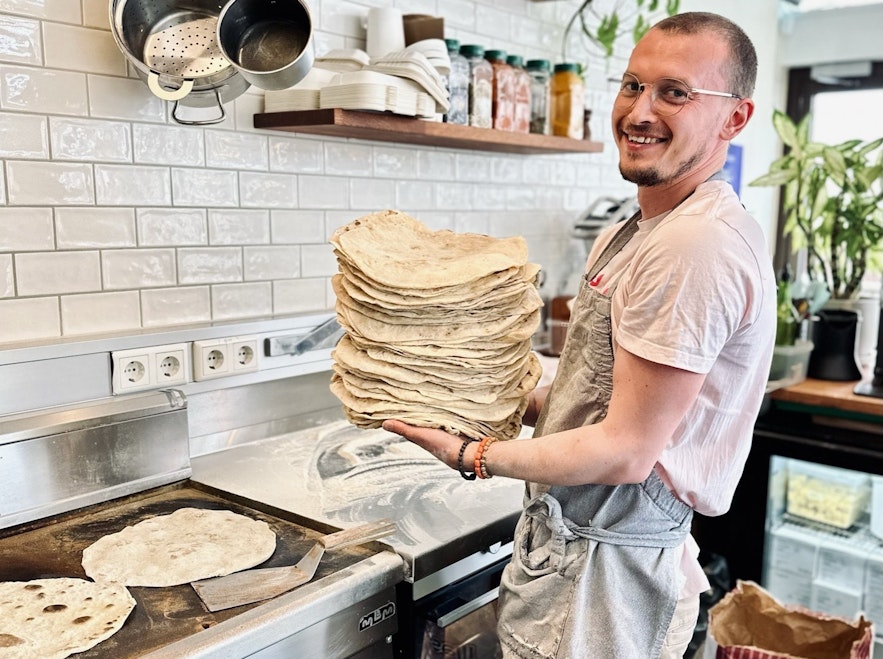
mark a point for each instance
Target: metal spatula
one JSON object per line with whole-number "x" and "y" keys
{"x": 251, "y": 586}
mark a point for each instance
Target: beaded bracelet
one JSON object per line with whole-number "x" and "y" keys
{"x": 467, "y": 476}
{"x": 480, "y": 462}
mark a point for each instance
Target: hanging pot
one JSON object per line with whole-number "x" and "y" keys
{"x": 172, "y": 44}
{"x": 268, "y": 41}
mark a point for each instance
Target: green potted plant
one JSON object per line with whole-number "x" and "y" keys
{"x": 602, "y": 22}
{"x": 831, "y": 197}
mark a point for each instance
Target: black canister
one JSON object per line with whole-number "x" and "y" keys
{"x": 834, "y": 334}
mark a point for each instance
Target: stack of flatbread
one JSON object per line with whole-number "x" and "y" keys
{"x": 438, "y": 327}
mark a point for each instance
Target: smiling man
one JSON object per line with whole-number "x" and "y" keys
{"x": 651, "y": 412}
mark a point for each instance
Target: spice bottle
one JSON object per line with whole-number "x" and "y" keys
{"x": 587, "y": 127}
{"x": 458, "y": 85}
{"x": 567, "y": 104}
{"x": 503, "y": 90}
{"x": 539, "y": 70}
{"x": 521, "y": 114}
{"x": 481, "y": 86}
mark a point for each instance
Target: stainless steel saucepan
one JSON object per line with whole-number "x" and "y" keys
{"x": 268, "y": 41}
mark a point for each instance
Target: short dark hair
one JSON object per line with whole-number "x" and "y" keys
{"x": 742, "y": 73}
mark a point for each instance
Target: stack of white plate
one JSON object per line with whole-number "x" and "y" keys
{"x": 408, "y": 82}
{"x": 414, "y": 66}
{"x": 303, "y": 96}
{"x": 342, "y": 60}
{"x": 370, "y": 90}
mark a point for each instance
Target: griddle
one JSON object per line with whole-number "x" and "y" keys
{"x": 53, "y": 547}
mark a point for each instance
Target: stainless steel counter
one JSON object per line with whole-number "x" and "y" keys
{"x": 342, "y": 476}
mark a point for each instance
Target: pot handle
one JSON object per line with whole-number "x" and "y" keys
{"x": 168, "y": 94}
{"x": 201, "y": 122}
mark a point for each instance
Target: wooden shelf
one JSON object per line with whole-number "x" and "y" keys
{"x": 385, "y": 127}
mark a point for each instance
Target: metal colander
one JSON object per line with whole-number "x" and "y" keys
{"x": 173, "y": 46}
{"x": 185, "y": 47}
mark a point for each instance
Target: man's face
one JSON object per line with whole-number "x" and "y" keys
{"x": 658, "y": 150}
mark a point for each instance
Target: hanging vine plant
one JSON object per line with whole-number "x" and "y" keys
{"x": 604, "y": 22}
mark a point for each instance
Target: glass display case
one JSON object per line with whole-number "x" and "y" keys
{"x": 823, "y": 545}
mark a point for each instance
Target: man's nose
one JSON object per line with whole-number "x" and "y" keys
{"x": 643, "y": 105}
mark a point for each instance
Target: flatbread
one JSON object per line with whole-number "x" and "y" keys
{"x": 437, "y": 327}
{"x": 187, "y": 545}
{"x": 55, "y": 618}
{"x": 388, "y": 246}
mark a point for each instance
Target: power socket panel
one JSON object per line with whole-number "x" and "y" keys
{"x": 218, "y": 358}
{"x": 150, "y": 367}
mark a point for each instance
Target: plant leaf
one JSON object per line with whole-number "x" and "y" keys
{"x": 672, "y": 7}
{"x": 786, "y": 129}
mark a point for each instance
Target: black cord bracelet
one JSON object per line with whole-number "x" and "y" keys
{"x": 468, "y": 476}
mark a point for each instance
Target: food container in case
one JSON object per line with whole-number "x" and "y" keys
{"x": 877, "y": 506}
{"x": 827, "y": 494}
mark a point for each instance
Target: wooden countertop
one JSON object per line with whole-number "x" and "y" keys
{"x": 829, "y": 394}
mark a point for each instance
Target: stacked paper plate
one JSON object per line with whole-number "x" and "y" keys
{"x": 438, "y": 327}
{"x": 370, "y": 90}
{"x": 414, "y": 66}
{"x": 303, "y": 96}
{"x": 343, "y": 60}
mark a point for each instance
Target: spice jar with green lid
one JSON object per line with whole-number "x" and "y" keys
{"x": 540, "y": 72}
{"x": 567, "y": 90}
{"x": 503, "y": 90}
{"x": 481, "y": 86}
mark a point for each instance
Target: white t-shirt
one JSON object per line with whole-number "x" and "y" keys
{"x": 695, "y": 289}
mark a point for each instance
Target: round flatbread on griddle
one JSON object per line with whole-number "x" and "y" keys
{"x": 55, "y": 618}
{"x": 187, "y": 545}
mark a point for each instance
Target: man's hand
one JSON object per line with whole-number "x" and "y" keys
{"x": 442, "y": 445}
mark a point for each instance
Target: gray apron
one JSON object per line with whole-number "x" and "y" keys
{"x": 594, "y": 568}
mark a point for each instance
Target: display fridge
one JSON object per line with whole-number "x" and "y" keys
{"x": 807, "y": 518}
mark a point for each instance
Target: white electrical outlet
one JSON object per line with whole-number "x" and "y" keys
{"x": 151, "y": 367}
{"x": 244, "y": 352}
{"x": 171, "y": 364}
{"x": 215, "y": 358}
{"x": 131, "y": 370}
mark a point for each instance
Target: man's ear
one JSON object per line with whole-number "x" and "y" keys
{"x": 737, "y": 119}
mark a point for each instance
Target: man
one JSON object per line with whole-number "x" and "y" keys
{"x": 651, "y": 412}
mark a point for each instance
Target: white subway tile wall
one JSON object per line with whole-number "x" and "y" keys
{"x": 116, "y": 218}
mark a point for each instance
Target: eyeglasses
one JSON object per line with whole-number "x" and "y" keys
{"x": 667, "y": 95}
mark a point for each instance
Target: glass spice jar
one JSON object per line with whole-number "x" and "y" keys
{"x": 481, "y": 86}
{"x": 567, "y": 103}
{"x": 521, "y": 94}
{"x": 540, "y": 71}
{"x": 503, "y": 90}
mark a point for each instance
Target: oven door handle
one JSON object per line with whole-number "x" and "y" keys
{"x": 465, "y": 609}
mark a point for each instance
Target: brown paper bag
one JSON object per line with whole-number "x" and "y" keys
{"x": 749, "y": 623}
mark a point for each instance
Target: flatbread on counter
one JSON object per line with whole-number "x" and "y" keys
{"x": 437, "y": 327}
{"x": 55, "y": 618}
{"x": 187, "y": 545}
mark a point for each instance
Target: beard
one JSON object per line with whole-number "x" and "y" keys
{"x": 651, "y": 176}
{"x": 648, "y": 177}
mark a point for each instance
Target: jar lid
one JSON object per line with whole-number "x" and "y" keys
{"x": 538, "y": 65}
{"x": 472, "y": 50}
{"x": 567, "y": 66}
{"x": 515, "y": 60}
{"x": 495, "y": 55}
{"x": 453, "y": 45}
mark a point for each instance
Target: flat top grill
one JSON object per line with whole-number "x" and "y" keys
{"x": 340, "y": 475}
{"x": 53, "y": 548}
